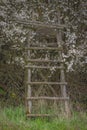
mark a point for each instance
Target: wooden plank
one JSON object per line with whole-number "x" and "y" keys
{"x": 44, "y": 61}
{"x": 43, "y": 48}
{"x": 41, "y": 115}
{"x": 43, "y": 67}
{"x": 48, "y": 83}
{"x": 38, "y": 24}
{"x": 41, "y": 44}
{"x": 48, "y": 98}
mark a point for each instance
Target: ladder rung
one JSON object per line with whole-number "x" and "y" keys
{"x": 48, "y": 98}
{"x": 41, "y": 60}
{"x": 41, "y": 115}
{"x": 44, "y": 48}
{"x": 40, "y": 44}
{"x": 48, "y": 83}
{"x": 44, "y": 67}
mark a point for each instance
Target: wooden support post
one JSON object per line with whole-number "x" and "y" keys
{"x": 62, "y": 75}
{"x": 29, "y": 103}
{"x": 64, "y": 93}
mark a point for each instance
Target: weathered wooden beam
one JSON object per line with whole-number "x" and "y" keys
{"x": 44, "y": 67}
{"x": 44, "y": 61}
{"x": 48, "y": 83}
{"x": 29, "y": 103}
{"x": 38, "y": 24}
{"x": 62, "y": 74}
{"x": 41, "y": 44}
{"x": 47, "y": 98}
{"x": 43, "y": 48}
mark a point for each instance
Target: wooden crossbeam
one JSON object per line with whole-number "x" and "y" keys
{"x": 47, "y": 83}
{"x": 44, "y": 61}
{"x": 38, "y": 24}
{"x": 41, "y": 44}
{"x": 48, "y": 98}
{"x": 43, "y": 67}
{"x": 44, "y": 48}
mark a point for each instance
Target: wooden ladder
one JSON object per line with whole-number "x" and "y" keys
{"x": 62, "y": 82}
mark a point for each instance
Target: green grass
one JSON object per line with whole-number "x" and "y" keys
{"x": 15, "y": 119}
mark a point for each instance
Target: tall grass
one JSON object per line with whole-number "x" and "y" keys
{"x": 15, "y": 119}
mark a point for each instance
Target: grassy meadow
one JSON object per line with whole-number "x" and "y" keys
{"x": 15, "y": 119}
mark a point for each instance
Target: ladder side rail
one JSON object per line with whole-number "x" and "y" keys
{"x": 29, "y": 103}
{"x": 62, "y": 74}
